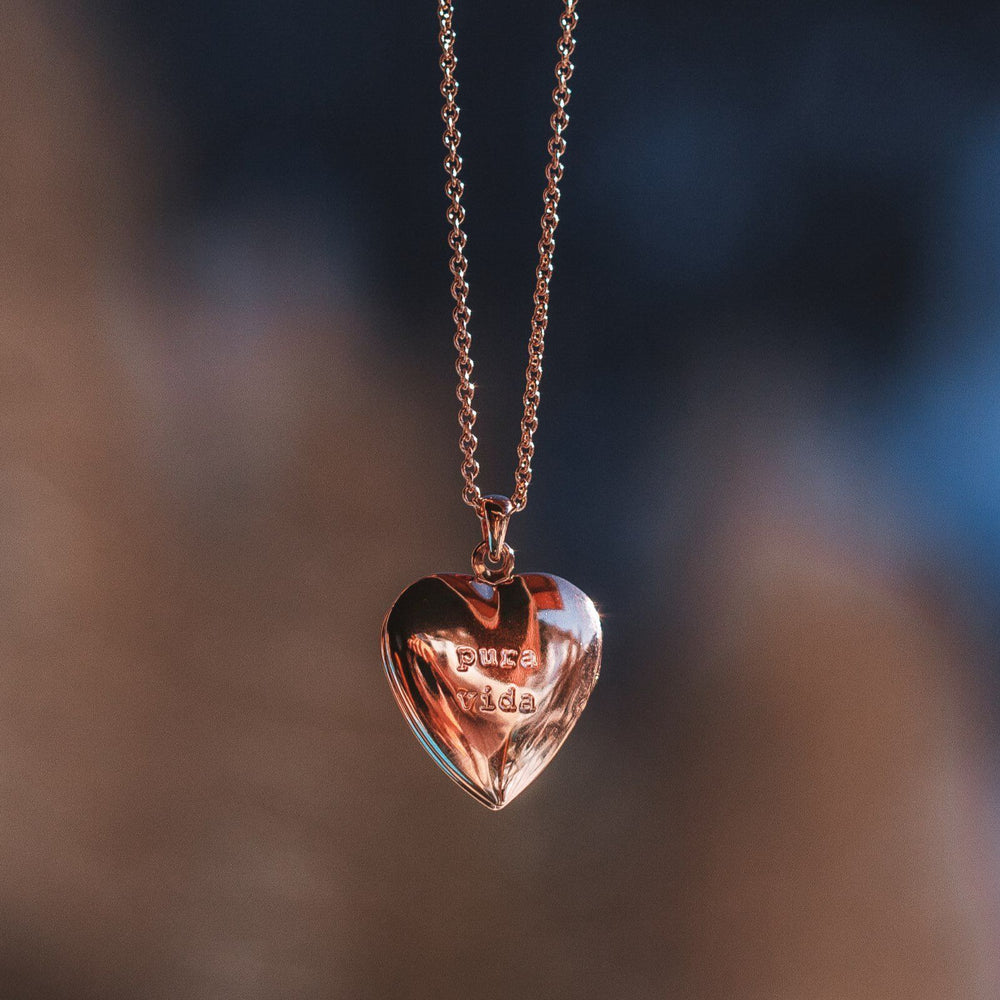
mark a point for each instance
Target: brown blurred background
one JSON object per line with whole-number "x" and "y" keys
{"x": 228, "y": 443}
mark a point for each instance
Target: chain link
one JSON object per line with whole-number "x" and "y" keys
{"x": 461, "y": 314}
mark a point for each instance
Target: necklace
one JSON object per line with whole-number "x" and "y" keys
{"x": 492, "y": 670}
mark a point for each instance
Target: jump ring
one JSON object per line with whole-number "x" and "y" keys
{"x": 488, "y": 571}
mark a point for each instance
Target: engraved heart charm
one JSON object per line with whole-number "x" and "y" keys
{"x": 492, "y": 678}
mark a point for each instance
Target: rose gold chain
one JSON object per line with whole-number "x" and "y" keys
{"x": 459, "y": 264}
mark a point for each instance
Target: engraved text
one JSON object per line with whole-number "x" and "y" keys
{"x": 483, "y": 701}
{"x": 488, "y": 656}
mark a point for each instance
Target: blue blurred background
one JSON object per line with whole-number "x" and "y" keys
{"x": 769, "y": 447}
{"x": 800, "y": 194}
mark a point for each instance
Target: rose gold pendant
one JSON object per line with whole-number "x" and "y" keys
{"x": 492, "y": 671}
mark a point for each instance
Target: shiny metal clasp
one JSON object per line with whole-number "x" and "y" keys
{"x": 493, "y": 558}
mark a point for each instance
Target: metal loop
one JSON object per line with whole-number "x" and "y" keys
{"x": 493, "y": 572}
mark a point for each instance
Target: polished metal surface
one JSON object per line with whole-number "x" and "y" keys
{"x": 492, "y": 679}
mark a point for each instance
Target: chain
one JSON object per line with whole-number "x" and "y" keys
{"x": 458, "y": 265}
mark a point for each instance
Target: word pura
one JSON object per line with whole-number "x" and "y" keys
{"x": 505, "y": 659}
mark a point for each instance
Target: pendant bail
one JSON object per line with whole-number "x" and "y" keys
{"x": 496, "y": 512}
{"x": 493, "y": 559}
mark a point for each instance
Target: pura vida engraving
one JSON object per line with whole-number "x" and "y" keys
{"x": 489, "y": 657}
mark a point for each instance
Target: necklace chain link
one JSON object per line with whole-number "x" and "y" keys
{"x": 454, "y": 188}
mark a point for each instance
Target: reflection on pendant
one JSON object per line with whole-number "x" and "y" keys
{"x": 492, "y": 679}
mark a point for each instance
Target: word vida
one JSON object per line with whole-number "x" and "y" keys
{"x": 507, "y": 702}
{"x": 505, "y": 659}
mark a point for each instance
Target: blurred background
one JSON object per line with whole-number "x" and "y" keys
{"x": 769, "y": 449}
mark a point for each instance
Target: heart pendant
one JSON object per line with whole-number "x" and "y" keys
{"x": 492, "y": 678}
